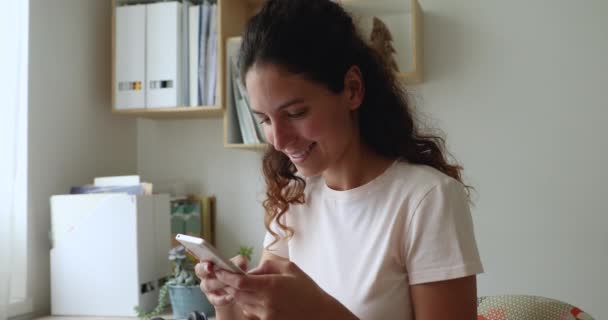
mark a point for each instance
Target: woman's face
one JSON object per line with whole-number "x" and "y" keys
{"x": 306, "y": 121}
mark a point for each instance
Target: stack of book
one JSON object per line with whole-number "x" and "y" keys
{"x": 250, "y": 128}
{"x": 118, "y": 184}
{"x": 203, "y": 47}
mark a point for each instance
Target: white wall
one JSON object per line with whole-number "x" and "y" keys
{"x": 73, "y": 137}
{"x": 519, "y": 87}
{"x": 192, "y": 151}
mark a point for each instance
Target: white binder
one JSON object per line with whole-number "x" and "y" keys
{"x": 163, "y": 52}
{"x": 130, "y": 54}
{"x": 193, "y": 46}
{"x": 184, "y": 46}
{"x": 109, "y": 252}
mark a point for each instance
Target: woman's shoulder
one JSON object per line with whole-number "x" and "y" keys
{"x": 420, "y": 177}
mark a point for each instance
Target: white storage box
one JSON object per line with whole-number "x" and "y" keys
{"x": 109, "y": 253}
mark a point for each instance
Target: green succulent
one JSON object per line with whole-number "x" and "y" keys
{"x": 183, "y": 275}
{"x": 183, "y": 268}
{"x": 245, "y": 252}
{"x": 162, "y": 304}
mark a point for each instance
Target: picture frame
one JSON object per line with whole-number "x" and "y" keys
{"x": 193, "y": 215}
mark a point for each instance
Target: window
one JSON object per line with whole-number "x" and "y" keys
{"x": 19, "y": 303}
{"x": 14, "y": 21}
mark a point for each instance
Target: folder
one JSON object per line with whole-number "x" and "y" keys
{"x": 163, "y": 52}
{"x": 130, "y": 55}
{"x": 185, "y": 52}
{"x": 193, "y": 47}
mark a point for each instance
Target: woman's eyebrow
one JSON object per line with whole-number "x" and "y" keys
{"x": 283, "y": 105}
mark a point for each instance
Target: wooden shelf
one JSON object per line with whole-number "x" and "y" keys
{"x": 256, "y": 147}
{"x": 255, "y": 4}
{"x": 232, "y": 16}
{"x": 173, "y": 113}
{"x": 226, "y": 23}
{"x": 378, "y": 6}
{"x": 404, "y": 20}
{"x": 232, "y": 25}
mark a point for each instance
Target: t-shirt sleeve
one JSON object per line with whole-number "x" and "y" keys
{"x": 279, "y": 248}
{"x": 439, "y": 238}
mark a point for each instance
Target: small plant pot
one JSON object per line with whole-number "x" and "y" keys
{"x": 184, "y": 300}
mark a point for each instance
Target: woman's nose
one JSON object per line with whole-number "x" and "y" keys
{"x": 281, "y": 135}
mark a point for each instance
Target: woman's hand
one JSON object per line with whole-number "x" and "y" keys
{"x": 211, "y": 286}
{"x": 281, "y": 290}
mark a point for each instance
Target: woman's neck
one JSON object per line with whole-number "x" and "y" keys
{"x": 358, "y": 166}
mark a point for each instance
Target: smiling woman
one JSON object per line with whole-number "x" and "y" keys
{"x": 13, "y": 163}
{"x": 304, "y": 120}
{"x": 365, "y": 216}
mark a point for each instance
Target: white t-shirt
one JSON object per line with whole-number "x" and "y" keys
{"x": 367, "y": 245}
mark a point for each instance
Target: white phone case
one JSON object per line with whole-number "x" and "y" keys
{"x": 205, "y": 251}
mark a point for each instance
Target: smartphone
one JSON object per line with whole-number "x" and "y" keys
{"x": 203, "y": 250}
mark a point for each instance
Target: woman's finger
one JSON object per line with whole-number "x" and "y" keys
{"x": 252, "y": 299}
{"x": 244, "y": 282}
{"x": 229, "y": 290}
{"x": 219, "y": 299}
{"x": 271, "y": 267}
{"x": 241, "y": 262}
{"x": 203, "y": 269}
{"x": 210, "y": 285}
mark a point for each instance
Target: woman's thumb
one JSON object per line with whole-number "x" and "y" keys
{"x": 241, "y": 262}
{"x": 268, "y": 267}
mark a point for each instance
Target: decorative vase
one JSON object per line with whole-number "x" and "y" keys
{"x": 184, "y": 300}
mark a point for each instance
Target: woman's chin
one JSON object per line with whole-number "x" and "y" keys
{"x": 308, "y": 171}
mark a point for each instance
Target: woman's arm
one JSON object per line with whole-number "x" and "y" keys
{"x": 279, "y": 289}
{"x": 451, "y": 299}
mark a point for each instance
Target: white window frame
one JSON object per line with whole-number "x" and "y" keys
{"x": 16, "y": 17}
{"x": 20, "y": 302}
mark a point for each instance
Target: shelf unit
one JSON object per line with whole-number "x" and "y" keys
{"x": 254, "y": 147}
{"x": 233, "y": 27}
{"x": 174, "y": 113}
{"x": 232, "y": 15}
{"x": 406, "y": 14}
{"x": 404, "y": 20}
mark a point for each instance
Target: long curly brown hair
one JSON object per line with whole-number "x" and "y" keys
{"x": 318, "y": 39}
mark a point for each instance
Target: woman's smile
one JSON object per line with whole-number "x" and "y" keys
{"x": 300, "y": 156}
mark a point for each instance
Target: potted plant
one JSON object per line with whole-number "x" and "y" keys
{"x": 184, "y": 287}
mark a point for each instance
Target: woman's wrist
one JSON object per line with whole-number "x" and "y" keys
{"x": 226, "y": 312}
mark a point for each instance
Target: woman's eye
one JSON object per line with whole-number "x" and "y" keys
{"x": 296, "y": 114}
{"x": 264, "y": 120}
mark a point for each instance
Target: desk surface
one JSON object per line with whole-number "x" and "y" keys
{"x": 165, "y": 316}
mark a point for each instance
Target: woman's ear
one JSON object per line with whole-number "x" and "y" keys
{"x": 354, "y": 88}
